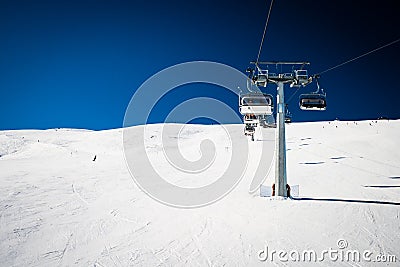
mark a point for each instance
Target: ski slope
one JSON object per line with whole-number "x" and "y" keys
{"x": 58, "y": 207}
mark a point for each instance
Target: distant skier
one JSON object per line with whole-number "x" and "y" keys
{"x": 95, "y": 157}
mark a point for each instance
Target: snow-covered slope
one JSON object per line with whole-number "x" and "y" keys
{"x": 59, "y": 207}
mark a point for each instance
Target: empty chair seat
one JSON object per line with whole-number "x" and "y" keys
{"x": 312, "y": 102}
{"x": 256, "y": 103}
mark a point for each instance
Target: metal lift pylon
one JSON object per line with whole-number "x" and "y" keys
{"x": 297, "y": 78}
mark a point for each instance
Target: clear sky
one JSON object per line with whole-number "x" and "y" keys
{"x": 76, "y": 64}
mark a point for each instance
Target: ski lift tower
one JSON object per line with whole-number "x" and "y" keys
{"x": 297, "y": 78}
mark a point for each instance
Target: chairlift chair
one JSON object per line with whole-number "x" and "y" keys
{"x": 313, "y": 101}
{"x": 261, "y": 80}
{"x": 249, "y": 130}
{"x": 301, "y": 78}
{"x": 250, "y": 119}
{"x": 288, "y": 115}
{"x": 256, "y": 104}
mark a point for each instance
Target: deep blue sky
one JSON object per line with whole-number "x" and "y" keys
{"x": 77, "y": 63}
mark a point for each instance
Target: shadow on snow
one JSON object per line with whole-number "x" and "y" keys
{"x": 349, "y": 201}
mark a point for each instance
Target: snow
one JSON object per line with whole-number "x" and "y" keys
{"x": 59, "y": 207}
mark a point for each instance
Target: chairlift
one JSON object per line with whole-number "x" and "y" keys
{"x": 261, "y": 80}
{"x": 301, "y": 78}
{"x": 313, "y": 101}
{"x": 250, "y": 129}
{"x": 288, "y": 115}
{"x": 270, "y": 121}
{"x": 301, "y": 74}
{"x": 250, "y": 118}
{"x": 256, "y": 104}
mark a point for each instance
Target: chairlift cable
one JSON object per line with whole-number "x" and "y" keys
{"x": 290, "y": 98}
{"x": 265, "y": 30}
{"x": 363, "y": 55}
